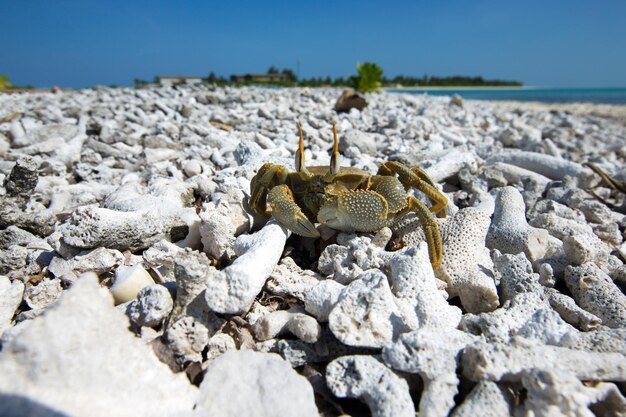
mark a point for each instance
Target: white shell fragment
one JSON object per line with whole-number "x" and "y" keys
{"x": 128, "y": 282}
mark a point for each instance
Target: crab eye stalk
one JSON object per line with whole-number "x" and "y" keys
{"x": 300, "y": 153}
{"x": 334, "y": 157}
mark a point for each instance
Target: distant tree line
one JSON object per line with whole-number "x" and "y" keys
{"x": 454, "y": 81}
{"x": 401, "y": 80}
{"x": 369, "y": 73}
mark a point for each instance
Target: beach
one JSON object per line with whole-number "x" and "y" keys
{"x": 137, "y": 263}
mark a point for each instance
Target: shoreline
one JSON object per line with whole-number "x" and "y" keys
{"x": 615, "y": 112}
{"x": 513, "y": 87}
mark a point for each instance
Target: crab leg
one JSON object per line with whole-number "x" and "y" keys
{"x": 287, "y": 212}
{"x": 335, "y": 157}
{"x": 431, "y": 230}
{"x": 416, "y": 177}
{"x": 267, "y": 176}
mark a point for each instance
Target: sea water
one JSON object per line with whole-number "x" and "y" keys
{"x": 545, "y": 95}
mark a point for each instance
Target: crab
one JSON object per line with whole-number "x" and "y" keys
{"x": 346, "y": 198}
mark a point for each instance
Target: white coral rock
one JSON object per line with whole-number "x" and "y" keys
{"x": 550, "y": 166}
{"x": 366, "y": 314}
{"x": 51, "y": 364}
{"x": 363, "y": 377}
{"x": 433, "y": 354}
{"x": 11, "y": 293}
{"x": 556, "y": 392}
{"x": 596, "y": 292}
{"x": 509, "y": 231}
{"x": 510, "y": 361}
{"x": 232, "y": 290}
{"x": 302, "y": 326}
{"x": 217, "y": 231}
{"x": 466, "y": 264}
{"x": 413, "y": 280}
{"x": 246, "y": 383}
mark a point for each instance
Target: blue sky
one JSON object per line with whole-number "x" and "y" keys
{"x": 82, "y": 43}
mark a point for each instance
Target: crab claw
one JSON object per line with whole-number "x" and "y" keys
{"x": 358, "y": 210}
{"x": 287, "y": 212}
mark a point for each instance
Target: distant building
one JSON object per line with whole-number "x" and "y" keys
{"x": 259, "y": 78}
{"x": 172, "y": 80}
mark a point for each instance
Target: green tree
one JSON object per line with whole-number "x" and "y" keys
{"x": 290, "y": 75}
{"x": 4, "y": 82}
{"x": 368, "y": 79}
{"x": 272, "y": 70}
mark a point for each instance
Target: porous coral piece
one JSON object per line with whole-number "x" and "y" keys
{"x": 232, "y": 290}
{"x": 320, "y": 299}
{"x": 43, "y": 294}
{"x": 302, "y": 326}
{"x": 13, "y": 235}
{"x": 486, "y": 399}
{"x": 31, "y": 216}
{"x": 413, "y": 281}
{"x": 11, "y": 293}
{"x": 217, "y": 231}
{"x": 192, "y": 272}
{"x": 263, "y": 384}
{"x": 289, "y": 280}
{"x": 100, "y": 261}
{"x": 80, "y": 330}
{"x": 366, "y": 314}
{"x": 527, "y": 304}
{"x": 557, "y": 392}
{"x": 601, "y": 340}
{"x": 92, "y": 227}
{"x": 514, "y": 174}
{"x": 594, "y": 291}
{"x": 13, "y": 259}
{"x": 22, "y": 179}
{"x": 583, "y": 248}
{"x": 153, "y": 304}
{"x": 501, "y": 324}
{"x": 449, "y": 164}
{"x": 509, "y": 361}
{"x": 363, "y": 377}
{"x": 548, "y": 327}
{"x": 354, "y": 254}
{"x": 433, "y": 354}
{"x": 549, "y": 166}
{"x": 559, "y": 227}
{"x": 510, "y": 233}
{"x": 570, "y": 311}
{"x": 325, "y": 349}
{"x": 467, "y": 267}
{"x": 515, "y": 275}
{"x": 187, "y": 338}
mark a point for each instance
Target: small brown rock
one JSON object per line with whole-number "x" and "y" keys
{"x": 349, "y": 100}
